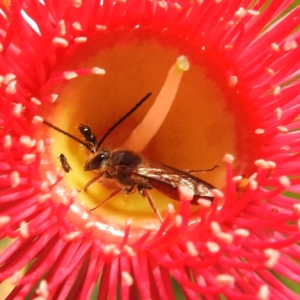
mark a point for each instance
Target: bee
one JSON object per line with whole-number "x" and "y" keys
{"x": 64, "y": 163}
{"x": 131, "y": 170}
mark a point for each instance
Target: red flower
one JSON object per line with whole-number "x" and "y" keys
{"x": 234, "y": 247}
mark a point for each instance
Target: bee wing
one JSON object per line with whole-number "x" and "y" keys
{"x": 164, "y": 178}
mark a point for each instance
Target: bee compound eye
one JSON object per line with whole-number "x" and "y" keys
{"x": 94, "y": 163}
{"x": 97, "y": 161}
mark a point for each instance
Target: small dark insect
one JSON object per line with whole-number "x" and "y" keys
{"x": 131, "y": 170}
{"x": 64, "y": 163}
{"x": 90, "y": 138}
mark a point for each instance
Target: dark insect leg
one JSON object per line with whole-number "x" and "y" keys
{"x": 147, "y": 195}
{"x": 207, "y": 170}
{"x": 128, "y": 190}
{"x": 92, "y": 181}
{"x": 114, "y": 193}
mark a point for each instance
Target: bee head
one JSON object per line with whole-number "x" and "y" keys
{"x": 97, "y": 160}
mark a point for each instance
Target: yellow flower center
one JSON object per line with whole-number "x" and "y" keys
{"x": 200, "y": 128}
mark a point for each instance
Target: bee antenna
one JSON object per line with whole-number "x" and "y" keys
{"x": 122, "y": 119}
{"x": 69, "y": 135}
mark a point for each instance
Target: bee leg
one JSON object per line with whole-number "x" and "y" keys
{"x": 147, "y": 195}
{"x": 201, "y": 171}
{"x": 128, "y": 190}
{"x": 92, "y": 181}
{"x": 114, "y": 193}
